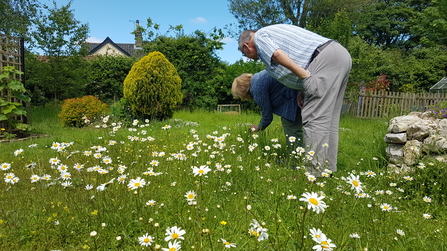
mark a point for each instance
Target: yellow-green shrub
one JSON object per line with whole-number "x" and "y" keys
{"x": 76, "y": 110}
{"x": 153, "y": 87}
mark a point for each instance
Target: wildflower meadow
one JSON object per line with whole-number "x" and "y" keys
{"x": 202, "y": 181}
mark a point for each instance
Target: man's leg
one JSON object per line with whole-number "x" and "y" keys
{"x": 324, "y": 91}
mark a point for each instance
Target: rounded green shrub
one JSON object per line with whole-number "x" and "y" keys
{"x": 153, "y": 87}
{"x": 77, "y": 111}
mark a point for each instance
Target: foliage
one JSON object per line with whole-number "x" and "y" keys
{"x": 438, "y": 110}
{"x": 58, "y": 33}
{"x": 233, "y": 71}
{"x": 253, "y": 14}
{"x": 194, "y": 57}
{"x": 338, "y": 28}
{"x": 430, "y": 26}
{"x": 61, "y": 72}
{"x": 55, "y": 78}
{"x": 380, "y": 84}
{"x": 13, "y": 94}
{"x": 122, "y": 110}
{"x": 87, "y": 187}
{"x": 76, "y": 112}
{"x": 404, "y": 24}
{"x": 106, "y": 75}
{"x": 386, "y": 23}
{"x": 16, "y": 16}
{"x": 417, "y": 69}
{"x": 152, "y": 87}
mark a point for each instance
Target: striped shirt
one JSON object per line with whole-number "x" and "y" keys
{"x": 298, "y": 43}
{"x": 272, "y": 97}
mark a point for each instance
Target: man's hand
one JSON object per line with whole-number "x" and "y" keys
{"x": 254, "y": 128}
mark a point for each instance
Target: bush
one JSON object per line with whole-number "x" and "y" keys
{"x": 107, "y": 74}
{"x": 153, "y": 87}
{"x": 75, "y": 111}
{"x": 121, "y": 110}
{"x": 438, "y": 110}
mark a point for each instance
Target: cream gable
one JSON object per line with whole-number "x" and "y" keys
{"x": 109, "y": 50}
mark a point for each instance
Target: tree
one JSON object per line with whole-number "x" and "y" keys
{"x": 430, "y": 25}
{"x": 338, "y": 28}
{"x": 153, "y": 87}
{"x": 60, "y": 37}
{"x": 16, "y": 16}
{"x": 58, "y": 33}
{"x": 389, "y": 23}
{"x": 254, "y": 14}
{"x": 195, "y": 59}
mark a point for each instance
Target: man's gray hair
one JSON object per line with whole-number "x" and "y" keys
{"x": 244, "y": 38}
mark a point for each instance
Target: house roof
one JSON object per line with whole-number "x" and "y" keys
{"x": 441, "y": 85}
{"x": 126, "y": 49}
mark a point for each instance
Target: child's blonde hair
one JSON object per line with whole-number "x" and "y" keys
{"x": 241, "y": 87}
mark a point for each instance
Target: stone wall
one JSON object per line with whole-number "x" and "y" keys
{"x": 412, "y": 136}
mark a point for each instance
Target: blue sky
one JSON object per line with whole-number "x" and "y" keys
{"x": 116, "y": 18}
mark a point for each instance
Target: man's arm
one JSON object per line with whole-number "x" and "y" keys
{"x": 280, "y": 57}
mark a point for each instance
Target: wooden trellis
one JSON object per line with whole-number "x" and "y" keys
{"x": 12, "y": 54}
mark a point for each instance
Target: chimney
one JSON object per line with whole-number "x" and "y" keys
{"x": 138, "y": 36}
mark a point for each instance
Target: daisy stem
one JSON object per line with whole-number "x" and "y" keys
{"x": 211, "y": 242}
{"x": 302, "y": 228}
{"x": 322, "y": 217}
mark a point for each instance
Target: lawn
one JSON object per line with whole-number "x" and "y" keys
{"x": 201, "y": 181}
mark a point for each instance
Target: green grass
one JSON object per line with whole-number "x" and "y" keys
{"x": 45, "y": 215}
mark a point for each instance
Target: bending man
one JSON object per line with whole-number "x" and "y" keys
{"x": 317, "y": 66}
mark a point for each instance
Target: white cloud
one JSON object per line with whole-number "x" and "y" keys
{"x": 93, "y": 40}
{"x": 227, "y": 40}
{"x": 199, "y": 20}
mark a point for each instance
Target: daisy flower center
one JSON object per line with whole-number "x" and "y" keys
{"x": 313, "y": 201}
{"x": 190, "y": 196}
{"x": 174, "y": 236}
{"x": 146, "y": 240}
{"x": 324, "y": 244}
{"x": 355, "y": 183}
{"x": 172, "y": 249}
{"x": 137, "y": 184}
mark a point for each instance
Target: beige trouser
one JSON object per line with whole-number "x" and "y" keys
{"x": 324, "y": 91}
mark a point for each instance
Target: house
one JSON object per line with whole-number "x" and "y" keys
{"x": 108, "y": 47}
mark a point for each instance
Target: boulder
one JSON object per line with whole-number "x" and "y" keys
{"x": 395, "y": 153}
{"x": 422, "y": 129}
{"x": 402, "y": 123}
{"x": 412, "y": 152}
{"x": 396, "y": 138}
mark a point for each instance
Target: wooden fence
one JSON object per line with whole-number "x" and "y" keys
{"x": 379, "y": 104}
{"x": 12, "y": 53}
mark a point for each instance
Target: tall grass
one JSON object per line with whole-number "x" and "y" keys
{"x": 101, "y": 208}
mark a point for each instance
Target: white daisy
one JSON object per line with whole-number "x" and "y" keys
{"x": 136, "y": 183}
{"x": 174, "y": 233}
{"x": 173, "y": 246}
{"x": 146, "y": 240}
{"x": 228, "y": 244}
{"x": 314, "y": 201}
